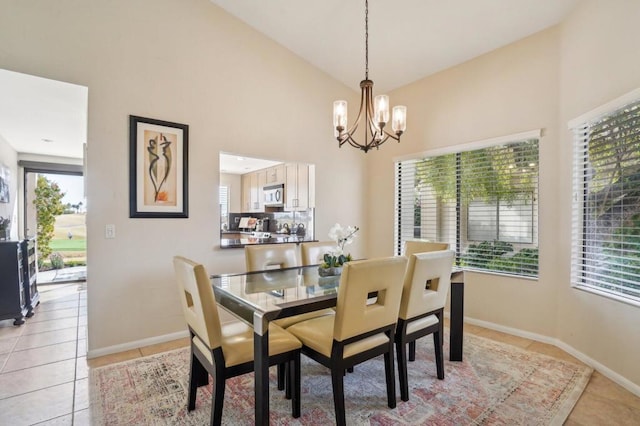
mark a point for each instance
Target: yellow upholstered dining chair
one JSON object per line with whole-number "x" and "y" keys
{"x": 261, "y": 257}
{"x": 360, "y": 329}
{"x": 277, "y": 256}
{"x": 424, "y": 294}
{"x": 313, "y": 253}
{"x": 422, "y": 246}
{"x": 225, "y": 351}
{"x": 270, "y": 256}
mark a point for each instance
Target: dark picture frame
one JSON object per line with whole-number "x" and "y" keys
{"x": 158, "y": 168}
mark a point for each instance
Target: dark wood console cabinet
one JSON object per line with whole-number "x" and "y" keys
{"x": 12, "y": 300}
{"x": 31, "y": 295}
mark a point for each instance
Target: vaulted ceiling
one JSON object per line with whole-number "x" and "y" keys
{"x": 408, "y": 40}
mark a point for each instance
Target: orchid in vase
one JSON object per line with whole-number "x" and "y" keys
{"x": 333, "y": 261}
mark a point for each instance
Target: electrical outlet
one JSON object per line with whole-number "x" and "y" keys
{"x": 110, "y": 231}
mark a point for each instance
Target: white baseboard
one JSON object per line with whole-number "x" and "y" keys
{"x": 136, "y": 344}
{"x": 604, "y": 370}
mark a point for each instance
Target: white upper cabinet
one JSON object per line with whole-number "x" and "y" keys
{"x": 299, "y": 187}
{"x": 275, "y": 174}
{"x": 296, "y": 187}
{"x": 252, "y": 184}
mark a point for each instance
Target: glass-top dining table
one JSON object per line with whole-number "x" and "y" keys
{"x": 261, "y": 297}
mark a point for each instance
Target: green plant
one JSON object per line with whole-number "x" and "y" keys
{"x": 342, "y": 236}
{"x": 57, "y": 261}
{"x": 524, "y": 262}
{"x": 48, "y": 206}
{"x": 480, "y": 255}
{"x": 623, "y": 256}
{"x": 4, "y": 223}
{"x": 496, "y": 256}
{"x": 4, "y": 227}
{"x": 333, "y": 261}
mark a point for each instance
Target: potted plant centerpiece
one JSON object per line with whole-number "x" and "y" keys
{"x": 4, "y": 228}
{"x": 334, "y": 260}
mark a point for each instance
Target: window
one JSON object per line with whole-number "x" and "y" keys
{"x": 224, "y": 205}
{"x": 509, "y": 221}
{"x": 606, "y": 202}
{"x": 482, "y": 201}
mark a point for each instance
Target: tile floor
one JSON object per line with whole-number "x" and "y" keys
{"x": 44, "y": 371}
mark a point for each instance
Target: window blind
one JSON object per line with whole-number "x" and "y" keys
{"x": 224, "y": 204}
{"x": 606, "y": 203}
{"x": 483, "y": 202}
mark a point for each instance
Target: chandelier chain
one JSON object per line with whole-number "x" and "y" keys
{"x": 366, "y": 39}
{"x": 374, "y": 112}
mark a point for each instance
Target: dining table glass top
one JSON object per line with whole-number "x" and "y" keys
{"x": 273, "y": 290}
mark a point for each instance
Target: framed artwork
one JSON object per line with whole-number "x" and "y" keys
{"x": 158, "y": 168}
{"x": 5, "y": 176}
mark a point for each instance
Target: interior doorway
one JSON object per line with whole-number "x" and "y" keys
{"x": 54, "y": 213}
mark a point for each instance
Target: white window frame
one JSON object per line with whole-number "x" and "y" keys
{"x": 477, "y": 145}
{"x": 577, "y": 125}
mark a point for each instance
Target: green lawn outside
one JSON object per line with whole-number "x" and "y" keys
{"x": 74, "y": 244}
{"x": 74, "y": 248}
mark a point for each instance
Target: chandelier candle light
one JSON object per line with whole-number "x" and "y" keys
{"x": 376, "y": 113}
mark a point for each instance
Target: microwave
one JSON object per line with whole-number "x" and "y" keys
{"x": 273, "y": 195}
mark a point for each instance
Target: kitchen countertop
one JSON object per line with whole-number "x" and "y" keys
{"x": 275, "y": 239}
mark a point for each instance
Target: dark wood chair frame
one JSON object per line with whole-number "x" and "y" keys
{"x": 201, "y": 368}
{"x": 402, "y": 339}
{"x": 338, "y": 364}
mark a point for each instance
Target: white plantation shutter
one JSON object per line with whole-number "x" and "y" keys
{"x": 606, "y": 202}
{"x": 224, "y": 203}
{"x": 483, "y": 202}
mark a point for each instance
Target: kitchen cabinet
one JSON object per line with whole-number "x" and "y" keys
{"x": 12, "y": 300}
{"x": 262, "y": 181}
{"x": 246, "y": 193}
{"x": 275, "y": 174}
{"x": 297, "y": 186}
{"x": 252, "y": 184}
{"x": 299, "y": 181}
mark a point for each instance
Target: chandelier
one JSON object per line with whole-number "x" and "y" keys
{"x": 375, "y": 113}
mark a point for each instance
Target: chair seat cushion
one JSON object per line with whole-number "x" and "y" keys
{"x": 421, "y": 323}
{"x": 289, "y": 321}
{"x": 317, "y": 334}
{"x": 237, "y": 343}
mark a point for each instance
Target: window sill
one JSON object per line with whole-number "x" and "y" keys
{"x": 500, "y": 274}
{"x": 608, "y": 295}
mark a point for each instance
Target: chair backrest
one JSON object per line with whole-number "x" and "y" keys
{"x": 426, "y": 283}
{"x": 313, "y": 253}
{"x": 423, "y": 246}
{"x": 354, "y": 315}
{"x": 198, "y": 302}
{"x": 271, "y": 256}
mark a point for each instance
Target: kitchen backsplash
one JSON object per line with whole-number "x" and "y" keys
{"x": 300, "y": 223}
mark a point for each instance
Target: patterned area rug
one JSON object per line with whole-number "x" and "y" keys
{"x": 497, "y": 384}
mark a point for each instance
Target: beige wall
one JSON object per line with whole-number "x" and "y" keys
{"x": 600, "y": 62}
{"x": 9, "y": 159}
{"x": 539, "y": 82}
{"x": 190, "y": 62}
{"x": 508, "y": 91}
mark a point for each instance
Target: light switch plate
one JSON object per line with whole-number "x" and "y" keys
{"x": 110, "y": 231}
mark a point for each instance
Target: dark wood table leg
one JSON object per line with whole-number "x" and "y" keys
{"x": 261, "y": 368}
{"x": 456, "y": 320}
